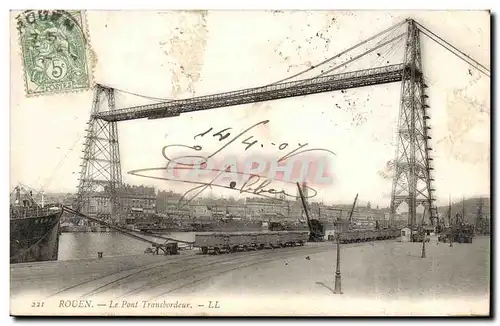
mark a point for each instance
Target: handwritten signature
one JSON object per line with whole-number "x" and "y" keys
{"x": 256, "y": 184}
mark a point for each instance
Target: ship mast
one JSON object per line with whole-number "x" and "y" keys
{"x": 450, "y": 220}
{"x": 18, "y": 195}
{"x": 352, "y": 211}
{"x": 463, "y": 211}
{"x": 479, "y": 216}
{"x": 449, "y": 211}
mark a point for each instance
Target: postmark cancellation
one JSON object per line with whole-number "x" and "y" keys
{"x": 55, "y": 51}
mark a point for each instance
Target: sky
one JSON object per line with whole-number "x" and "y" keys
{"x": 173, "y": 55}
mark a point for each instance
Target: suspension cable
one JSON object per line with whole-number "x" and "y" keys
{"x": 362, "y": 54}
{"x": 145, "y": 96}
{"x": 342, "y": 53}
{"x": 297, "y": 74}
{"x": 447, "y": 46}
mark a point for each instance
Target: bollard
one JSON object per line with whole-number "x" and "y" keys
{"x": 99, "y": 255}
{"x": 423, "y": 248}
{"x": 338, "y": 287}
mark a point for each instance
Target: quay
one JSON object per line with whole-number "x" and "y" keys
{"x": 386, "y": 272}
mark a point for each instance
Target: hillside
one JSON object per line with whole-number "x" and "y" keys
{"x": 470, "y": 208}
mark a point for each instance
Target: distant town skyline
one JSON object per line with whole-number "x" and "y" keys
{"x": 360, "y": 202}
{"x": 358, "y": 125}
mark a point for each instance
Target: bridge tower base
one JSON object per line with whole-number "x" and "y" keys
{"x": 100, "y": 176}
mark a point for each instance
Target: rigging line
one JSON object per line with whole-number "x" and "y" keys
{"x": 362, "y": 54}
{"x": 26, "y": 187}
{"x": 58, "y": 166}
{"x": 13, "y": 191}
{"x": 342, "y": 53}
{"x": 424, "y": 30}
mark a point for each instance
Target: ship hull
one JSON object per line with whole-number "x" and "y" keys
{"x": 34, "y": 238}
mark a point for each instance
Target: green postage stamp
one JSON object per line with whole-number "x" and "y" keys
{"x": 55, "y": 51}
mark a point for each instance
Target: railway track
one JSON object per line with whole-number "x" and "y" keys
{"x": 187, "y": 276}
{"x": 195, "y": 276}
{"x": 169, "y": 279}
{"x": 110, "y": 278}
{"x": 141, "y": 277}
{"x": 115, "y": 279}
{"x": 157, "y": 279}
{"x": 175, "y": 285}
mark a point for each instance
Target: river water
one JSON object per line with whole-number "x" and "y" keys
{"x": 84, "y": 245}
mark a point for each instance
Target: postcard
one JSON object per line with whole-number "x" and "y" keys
{"x": 250, "y": 163}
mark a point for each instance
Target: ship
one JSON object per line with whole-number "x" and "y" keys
{"x": 34, "y": 229}
{"x": 458, "y": 230}
{"x": 461, "y": 233}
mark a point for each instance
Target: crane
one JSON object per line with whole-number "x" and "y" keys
{"x": 316, "y": 229}
{"x": 352, "y": 211}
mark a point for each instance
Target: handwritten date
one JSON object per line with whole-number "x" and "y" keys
{"x": 256, "y": 184}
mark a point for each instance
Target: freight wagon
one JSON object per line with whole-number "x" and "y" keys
{"x": 223, "y": 242}
{"x": 353, "y": 236}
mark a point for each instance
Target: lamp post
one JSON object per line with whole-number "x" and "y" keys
{"x": 423, "y": 243}
{"x": 338, "y": 286}
{"x": 450, "y": 222}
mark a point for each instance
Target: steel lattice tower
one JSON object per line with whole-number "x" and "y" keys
{"x": 101, "y": 157}
{"x": 412, "y": 177}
